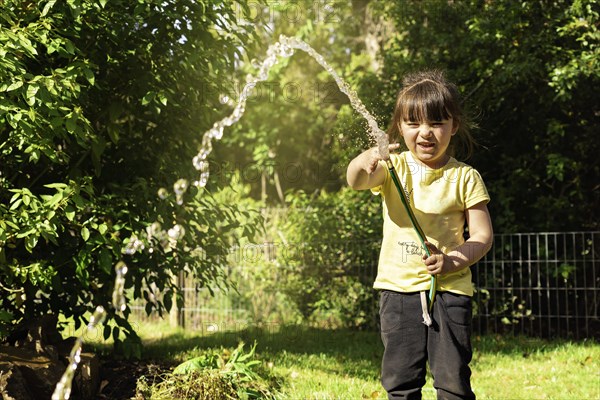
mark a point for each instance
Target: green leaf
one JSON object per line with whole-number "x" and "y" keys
{"x": 14, "y": 86}
{"x": 79, "y": 201}
{"x": 102, "y": 228}
{"x": 32, "y": 90}
{"x": 26, "y": 44}
{"x": 71, "y": 123}
{"x": 12, "y": 224}
{"x": 115, "y": 333}
{"x": 31, "y": 242}
{"x": 85, "y": 233}
{"x": 15, "y": 196}
{"x": 69, "y": 47}
{"x": 189, "y": 366}
{"x": 70, "y": 213}
{"x": 105, "y": 261}
{"x": 113, "y": 133}
{"x": 168, "y": 300}
{"x": 106, "y": 333}
{"x": 54, "y": 200}
{"x": 47, "y": 7}
{"x": 26, "y": 233}
{"x": 6, "y": 316}
{"x": 89, "y": 75}
{"x": 16, "y": 204}
{"x": 148, "y": 98}
{"x": 57, "y": 185}
{"x": 162, "y": 98}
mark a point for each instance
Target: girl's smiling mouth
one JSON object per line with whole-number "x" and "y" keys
{"x": 426, "y": 145}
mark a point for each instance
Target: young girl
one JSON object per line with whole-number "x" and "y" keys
{"x": 446, "y": 196}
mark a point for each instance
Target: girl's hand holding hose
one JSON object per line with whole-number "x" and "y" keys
{"x": 437, "y": 263}
{"x": 373, "y": 156}
{"x": 364, "y": 172}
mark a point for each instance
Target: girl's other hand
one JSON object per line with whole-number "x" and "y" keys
{"x": 437, "y": 263}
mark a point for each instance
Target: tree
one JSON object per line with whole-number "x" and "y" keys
{"x": 102, "y": 104}
{"x": 527, "y": 70}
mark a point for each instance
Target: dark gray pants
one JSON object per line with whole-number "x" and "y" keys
{"x": 409, "y": 344}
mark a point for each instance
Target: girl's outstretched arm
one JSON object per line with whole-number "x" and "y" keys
{"x": 365, "y": 172}
{"x": 480, "y": 240}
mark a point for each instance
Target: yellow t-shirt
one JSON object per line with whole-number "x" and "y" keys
{"x": 438, "y": 198}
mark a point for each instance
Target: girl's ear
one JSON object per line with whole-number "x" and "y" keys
{"x": 455, "y": 125}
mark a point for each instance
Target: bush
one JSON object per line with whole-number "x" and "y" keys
{"x": 102, "y": 103}
{"x": 212, "y": 375}
{"x": 333, "y": 264}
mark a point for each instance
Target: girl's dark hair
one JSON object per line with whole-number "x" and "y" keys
{"x": 428, "y": 96}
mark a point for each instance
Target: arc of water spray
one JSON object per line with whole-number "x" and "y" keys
{"x": 62, "y": 391}
{"x": 284, "y": 48}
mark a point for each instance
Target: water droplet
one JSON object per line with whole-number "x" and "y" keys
{"x": 248, "y": 89}
{"x": 228, "y": 121}
{"x": 176, "y": 232}
{"x": 153, "y": 230}
{"x": 98, "y": 316}
{"x": 163, "y": 193}
{"x": 62, "y": 391}
{"x": 200, "y": 164}
{"x": 133, "y": 246}
{"x": 119, "y": 300}
{"x": 286, "y": 51}
{"x": 216, "y": 132}
{"x": 122, "y": 270}
{"x": 180, "y": 186}
{"x": 203, "y": 180}
{"x": 206, "y": 145}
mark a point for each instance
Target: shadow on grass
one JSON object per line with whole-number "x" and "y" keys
{"x": 300, "y": 339}
{"x": 355, "y": 353}
{"x": 519, "y": 345}
{"x": 357, "y": 347}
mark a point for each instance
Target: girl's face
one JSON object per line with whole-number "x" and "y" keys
{"x": 428, "y": 140}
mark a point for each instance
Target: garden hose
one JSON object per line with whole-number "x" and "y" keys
{"x": 415, "y": 225}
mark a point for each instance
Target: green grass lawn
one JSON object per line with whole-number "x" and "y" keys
{"x": 341, "y": 364}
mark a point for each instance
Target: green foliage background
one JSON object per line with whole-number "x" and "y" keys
{"x": 102, "y": 103}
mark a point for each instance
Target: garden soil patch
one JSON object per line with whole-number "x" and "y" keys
{"x": 119, "y": 377}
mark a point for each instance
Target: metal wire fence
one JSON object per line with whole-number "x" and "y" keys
{"x": 540, "y": 284}
{"x": 536, "y": 284}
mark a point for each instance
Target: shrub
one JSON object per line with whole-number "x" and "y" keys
{"x": 212, "y": 375}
